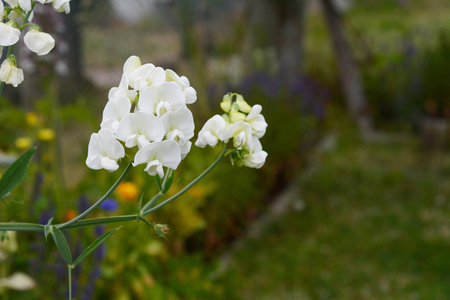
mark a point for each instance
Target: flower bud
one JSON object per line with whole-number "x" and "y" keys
{"x": 226, "y": 102}
{"x": 243, "y": 106}
{"x": 9, "y": 73}
{"x": 39, "y": 42}
{"x": 235, "y": 115}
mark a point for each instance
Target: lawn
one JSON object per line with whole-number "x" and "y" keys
{"x": 375, "y": 225}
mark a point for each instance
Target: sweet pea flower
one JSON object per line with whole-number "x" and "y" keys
{"x": 12, "y": 3}
{"x": 240, "y": 132}
{"x": 122, "y": 90}
{"x": 9, "y": 73}
{"x": 104, "y": 151}
{"x": 140, "y": 129}
{"x": 255, "y": 156}
{"x": 9, "y": 34}
{"x": 212, "y": 132}
{"x": 257, "y": 121}
{"x": 25, "y": 5}
{"x": 61, "y": 5}
{"x": 161, "y": 99}
{"x": 179, "y": 126}
{"x": 39, "y": 42}
{"x": 115, "y": 110}
{"x": 158, "y": 155}
{"x": 189, "y": 92}
{"x": 142, "y": 76}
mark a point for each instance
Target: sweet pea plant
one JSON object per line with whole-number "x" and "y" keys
{"x": 146, "y": 122}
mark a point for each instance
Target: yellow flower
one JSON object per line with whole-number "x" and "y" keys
{"x": 128, "y": 191}
{"x": 46, "y": 134}
{"x": 32, "y": 119}
{"x": 23, "y": 142}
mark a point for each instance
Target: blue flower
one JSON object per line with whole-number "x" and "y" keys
{"x": 110, "y": 205}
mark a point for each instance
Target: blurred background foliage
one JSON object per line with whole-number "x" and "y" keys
{"x": 280, "y": 54}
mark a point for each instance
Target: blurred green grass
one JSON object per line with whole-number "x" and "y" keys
{"x": 376, "y": 225}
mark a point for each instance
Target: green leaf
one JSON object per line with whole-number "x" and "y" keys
{"x": 94, "y": 246}
{"x": 15, "y": 173}
{"x": 61, "y": 244}
{"x": 168, "y": 182}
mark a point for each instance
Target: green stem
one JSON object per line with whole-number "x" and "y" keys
{"x": 99, "y": 221}
{"x": 100, "y": 201}
{"x": 69, "y": 270}
{"x": 152, "y": 201}
{"x": 146, "y": 212}
{"x": 10, "y": 226}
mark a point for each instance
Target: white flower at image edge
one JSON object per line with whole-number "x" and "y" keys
{"x": 212, "y": 132}
{"x": 104, "y": 151}
{"x": 158, "y": 155}
{"x": 39, "y": 42}
{"x": 10, "y": 74}
{"x": 18, "y": 281}
{"x": 9, "y": 35}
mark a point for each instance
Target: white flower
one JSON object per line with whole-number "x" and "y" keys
{"x": 9, "y": 35}
{"x": 256, "y": 157}
{"x": 18, "y": 281}
{"x": 115, "y": 110}
{"x": 104, "y": 151}
{"x": 9, "y": 73}
{"x": 131, "y": 64}
{"x": 142, "y": 76}
{"x": 212, "y": 132}
{"x": 25, "y": 5}
{"x": 122, "y": 90}
{"x": 158, "y": 155}
{"x": 257, "y": 121}
{"x": 161, "y": 99}
{"x": 179, "y": 126}
{"x": 61, "y": 6}
{"x": 240, "y": 132}
{"x": 39, "y": 42}
{"x": 12, "y": 3}
{"x": 140, "y": 129}
{"x": 189, "y": 92}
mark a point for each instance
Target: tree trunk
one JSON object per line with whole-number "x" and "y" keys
{"x": 348, "y": 68}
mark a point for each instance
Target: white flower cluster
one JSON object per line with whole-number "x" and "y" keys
{"x": 242, "y": 124}
{"x": 38, "y": 42}
{"x": 147, "y": 110}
